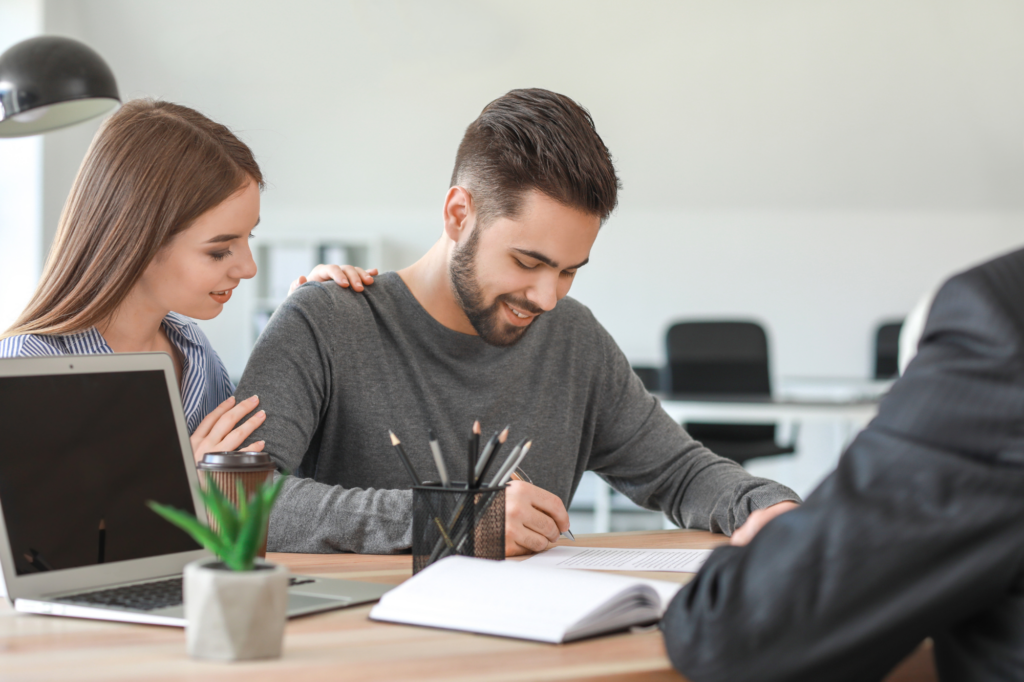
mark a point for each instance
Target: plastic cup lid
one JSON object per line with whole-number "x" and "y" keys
{"x": 245, "y": 461}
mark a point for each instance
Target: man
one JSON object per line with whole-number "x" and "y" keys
{"x": 918, "y": 533}
{"x": 471, "y": 331}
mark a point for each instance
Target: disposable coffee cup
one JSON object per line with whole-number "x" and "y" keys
{"x": 227, "y": 468}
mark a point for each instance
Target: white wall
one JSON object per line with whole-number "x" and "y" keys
{"x": 21, "y": 173}
{"x": 813, "y": 165}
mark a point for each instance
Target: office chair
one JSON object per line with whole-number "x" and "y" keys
{"x": 719, "y": 360}
{"x": 887, "y": 350}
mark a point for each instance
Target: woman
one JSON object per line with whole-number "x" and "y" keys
{"x": 155, "y": 230}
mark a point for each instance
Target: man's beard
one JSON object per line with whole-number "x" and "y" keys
{"x": 486, "y": 319}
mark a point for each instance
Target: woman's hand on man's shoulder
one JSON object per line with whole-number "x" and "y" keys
{"x": 343, "y": 276}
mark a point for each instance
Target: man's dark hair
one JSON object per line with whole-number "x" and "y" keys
{"x": 535, "y": 139}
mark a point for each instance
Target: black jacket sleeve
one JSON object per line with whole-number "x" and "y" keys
{"x": 918, "y": 531}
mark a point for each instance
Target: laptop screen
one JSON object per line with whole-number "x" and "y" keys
{"x": 81, "y": 454}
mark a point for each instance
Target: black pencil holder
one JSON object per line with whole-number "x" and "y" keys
{"x": 456, "y": 521}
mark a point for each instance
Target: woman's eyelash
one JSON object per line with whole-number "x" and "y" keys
{"x": 220, "y": 255}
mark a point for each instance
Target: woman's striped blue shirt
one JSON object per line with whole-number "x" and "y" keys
{"x": 204, "y": 382}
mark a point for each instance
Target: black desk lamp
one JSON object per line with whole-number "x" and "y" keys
{"x": 51, "y": 82}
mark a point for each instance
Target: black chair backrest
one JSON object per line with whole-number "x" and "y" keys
{"x": 707, "y": 358}
{"x": 650, "y": 376}
{"x": 887, "y": 350}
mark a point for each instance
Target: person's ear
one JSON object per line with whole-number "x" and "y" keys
{"x": 458, "y": 213}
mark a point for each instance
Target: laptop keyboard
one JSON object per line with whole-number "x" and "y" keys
{"x": 143, "y": 596}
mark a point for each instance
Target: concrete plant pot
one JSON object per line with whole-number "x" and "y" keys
{"x": 235, "y": 615}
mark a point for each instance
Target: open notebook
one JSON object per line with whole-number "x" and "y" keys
{"x": 510, "y": 599}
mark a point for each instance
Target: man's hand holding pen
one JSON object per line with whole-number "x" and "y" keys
{"x": 534, "y": 518}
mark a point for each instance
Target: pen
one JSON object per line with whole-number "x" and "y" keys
{"x": 405, "y": 458}
{"x": 435, "y": 449}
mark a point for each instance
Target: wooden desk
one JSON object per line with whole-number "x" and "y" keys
{"x": 345, "y": 645}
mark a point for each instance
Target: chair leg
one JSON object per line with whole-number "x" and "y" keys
{"x": 794, "y": 434}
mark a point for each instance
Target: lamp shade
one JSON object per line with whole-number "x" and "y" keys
{"x": 51, "y": 82}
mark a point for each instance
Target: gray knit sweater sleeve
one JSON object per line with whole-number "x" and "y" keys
{"x": 646, "y": 455}
{"x": 291, "y": 370}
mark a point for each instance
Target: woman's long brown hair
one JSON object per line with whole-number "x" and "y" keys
{"x": 152, "y": 169}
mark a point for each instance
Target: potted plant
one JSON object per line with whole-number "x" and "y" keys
{"x": 234, "y": 606}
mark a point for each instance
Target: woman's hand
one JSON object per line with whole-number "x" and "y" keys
{"x": 218, "y": 431}
{"x": 343, "y": 275}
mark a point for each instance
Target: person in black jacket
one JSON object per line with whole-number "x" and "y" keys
{"x": 918, "y": 533}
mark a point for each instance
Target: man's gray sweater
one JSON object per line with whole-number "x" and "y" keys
{"x": 335, "y": 370}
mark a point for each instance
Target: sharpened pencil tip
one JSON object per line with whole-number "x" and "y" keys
{"x": 504, "y": 436}
{"x": 476, "y": 427}
{"x": 394, "y": 438}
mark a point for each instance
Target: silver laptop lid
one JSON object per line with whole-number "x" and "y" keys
{"x": 87, "y": 440}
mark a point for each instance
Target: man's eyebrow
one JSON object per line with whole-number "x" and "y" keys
{"x": 547, "y": 261}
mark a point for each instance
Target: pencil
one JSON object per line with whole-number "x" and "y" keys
{"x": 490, "y": 451}
{"x": 461, "y": 538}
{"x": 405, "y": 458}
{"x": 481, "y": 462}
{"x": 435, "y": 449}
{"x": 507, "y": 463}
{"x": 519, "y": 459}
{"x": 473, "y": 452}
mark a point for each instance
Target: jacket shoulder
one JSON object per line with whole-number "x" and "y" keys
{"x": 982, "y": 306}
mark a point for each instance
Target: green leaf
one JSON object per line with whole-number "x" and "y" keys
{"x": 223, "y": 512}
{"x": 241, "y": 530}
{"x": 244, "y": 552}
{"x": 191, "y": 525}
{"x": 270, "y": 492}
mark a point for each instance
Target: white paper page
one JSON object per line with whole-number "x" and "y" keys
{"x": 500, "y": 598}
{"x": 609, "y": 559}
{"x": 665, "y": 590}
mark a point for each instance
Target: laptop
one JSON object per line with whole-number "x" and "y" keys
{"x": 87, "y": 441}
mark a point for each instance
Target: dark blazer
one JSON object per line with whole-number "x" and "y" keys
{"x": 918, "y": 533}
